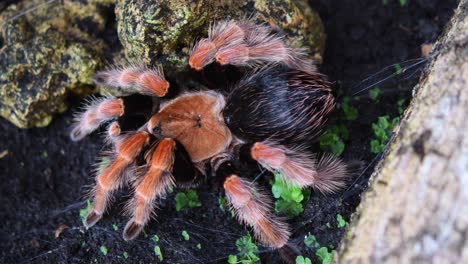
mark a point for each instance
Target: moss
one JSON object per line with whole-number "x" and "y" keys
{"x": 156, "y": 31}
{"x": 47, "y": 54}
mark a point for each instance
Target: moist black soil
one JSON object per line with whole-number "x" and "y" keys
{"x": 44, "y": 176}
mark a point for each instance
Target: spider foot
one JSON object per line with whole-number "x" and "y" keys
{"x": 253, "y": 208}
{"x": 139, "y": 79}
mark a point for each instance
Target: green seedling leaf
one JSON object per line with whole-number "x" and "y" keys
{"x": 311, "y": 241}
{"x": 375, "y": 93}
{"x": 84, "y": 212}
{"x": 199, "y": 247}
{"x": 398, "y": 68}
{"x": 115, "y": 227}
{"x": 158, "y": 253}
{"x": 341, "y": 221}
{"x": 325, "y": 256}
{"x": 302, "y": 260}
{"x": 186, "y": 200}
{"x": 232, "y": 259}
{"x": 401, "y": 108}
{"x": 125, "y": 254}
{"x": 403, "y": 2}
{"x": 185, "y": 235}
{"x": 289, "y": 198}
{"x": 247, "y": 251}
{"x": 155, "y": 238}
{"x": 104, "y": 250}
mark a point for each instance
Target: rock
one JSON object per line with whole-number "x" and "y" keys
{"x": 161, "y": 32}
{"x": 47, "y": 53}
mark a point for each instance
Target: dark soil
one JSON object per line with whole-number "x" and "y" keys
{"x": 44, "y": 176}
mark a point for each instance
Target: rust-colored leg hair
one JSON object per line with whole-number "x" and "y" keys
{"x": 253, "y": 208}
{"x": 328, "y": 175}
{"x": 154, "y": 184}
{"x": 111, "y": 178}
{"x": 96, "y": 113}
{"x": 142, "y": 80}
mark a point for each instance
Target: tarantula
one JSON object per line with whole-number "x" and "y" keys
{"x": 270, "y": 115}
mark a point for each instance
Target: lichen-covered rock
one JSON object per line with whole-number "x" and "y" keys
{"x": 158, "y": 31}
{"x": 47, "y": 53}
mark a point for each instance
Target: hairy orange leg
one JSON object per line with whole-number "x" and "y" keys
{"x": 328, "y": 175}
{"x": 155, "y": 184}
{"x": 253, "y": 208}
{"x": 111, "y": 178}
{"x": 147, "y": 81}
{"x": 97, "y": 112}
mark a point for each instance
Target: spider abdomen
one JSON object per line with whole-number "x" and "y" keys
{"x": 279, "y": 104}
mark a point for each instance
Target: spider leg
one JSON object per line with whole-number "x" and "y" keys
{"x": 96, "y": 113}
{"x": 327, "y": 175}
{"x": 131, "y": 111}
{"x": 110, "y": 179}
{"x": 155, "y": 183}
{"x": 139, "y": 79}
{"x": 253, "y": 208}
{"x": 219, "y": 35}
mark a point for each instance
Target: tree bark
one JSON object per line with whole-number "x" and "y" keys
{"x": 416, "y": 210}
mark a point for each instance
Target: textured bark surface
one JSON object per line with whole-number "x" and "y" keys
{"x": 416, "y": 210}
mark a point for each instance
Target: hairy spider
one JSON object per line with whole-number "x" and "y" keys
{"x": 271, "y": 114}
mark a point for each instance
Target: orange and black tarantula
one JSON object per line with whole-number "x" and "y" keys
{"x": 272, "y": 114}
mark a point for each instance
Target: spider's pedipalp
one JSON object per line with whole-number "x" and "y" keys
{"x": 143, "y": 80}
{"x": 155, "y": 183}
{"x": 328, "y": 175}
{"x": 110, "y": 179}
{"x": 252, "y": 207}
{"x": 96, "y": 113}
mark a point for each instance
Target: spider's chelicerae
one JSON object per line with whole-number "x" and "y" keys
{"x": 272, "y": 114}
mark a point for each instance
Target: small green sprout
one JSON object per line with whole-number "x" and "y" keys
{"x": 374, "y": 93}
{"x": 125, "y": 254}
{"x": 302, "y": 260}
{"x": 85, "y": 211}
{"x": 247, "y": 251}
{"x": 403, "y": 2}
{"x": 45, "y": 155}
{"x": 351, "y": 113}
{"x": 155, "y": 238}
{"x": 328, "y": 225}
{"x": 333, "y": 139}
{"x": 158, "y": 253}
{"x": 187, "y": 199}
{"x": 382, "y": 130}
{"x": 104, "y": 250}
{"x": 401, "y": 108}
{"x": 185, "y": 235}
{"x": 311, "y": 241}
{"x": 232, "y": 259}
{"x": 398, "y": 68}
{"x": 341, "y": 221}
{"x": 115, "y": 227}
{"x": 199, "y": 247}
{"x": 289, "y": 198}
{"x": 325, "y": 256}
{"x": 222, "y": 203}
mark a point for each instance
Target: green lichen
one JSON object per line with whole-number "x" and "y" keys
{"x": 47, "y": 54}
